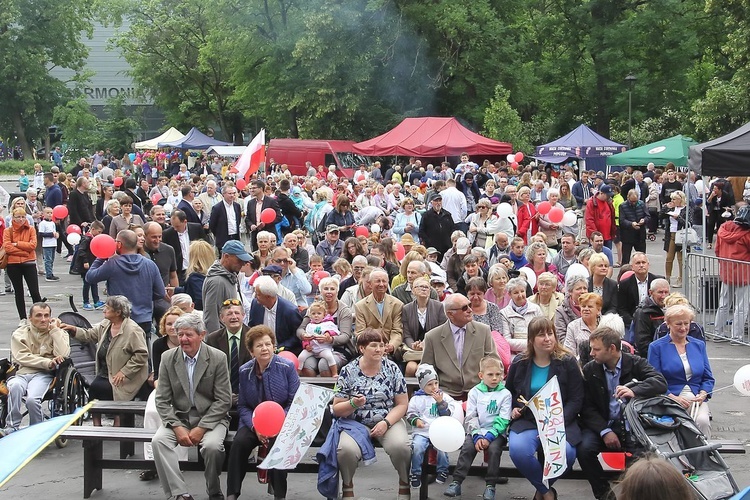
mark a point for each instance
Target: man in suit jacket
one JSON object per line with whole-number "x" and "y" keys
{"x": 634, "y": 290}
{"x": 193, "y": 398}
{"x": 276, "y": 313}
{"x": 179, "y": 237}
{"x": 636, "y": 182}
{"x": 255, "y": 206}
{"x": 606, "y": 384}
{"x": 230, "y": 339}
{"x": 380, "y": 311}
{"x": 456, "y": 347}
{"x": 186, "y": 204}
{"x": 224, "y": 223}
{"x": 582, "y": 190}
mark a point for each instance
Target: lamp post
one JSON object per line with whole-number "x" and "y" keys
{"x": 630, "y": 80}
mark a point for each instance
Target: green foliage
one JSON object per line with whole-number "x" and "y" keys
{"x": 80, "y": 127}
{"x": 118, "y": 130}
{"x": 11, "y": 167}
{"x": 502, "y": 122}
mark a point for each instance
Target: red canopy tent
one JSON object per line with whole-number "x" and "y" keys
{"x": 431, "y": 137}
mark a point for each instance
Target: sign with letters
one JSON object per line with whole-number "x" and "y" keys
{"x": 547, "y": 407}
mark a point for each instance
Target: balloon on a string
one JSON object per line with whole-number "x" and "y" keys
{"x": 514, "y": 164}
{"x": 362, "y": 231}
{"x": 626, "y": 275}
{"x": 530, "y": 276}
{"x": 60, "y": 212}
{"x": 268, "y": 418}
{"x": 268, "y": 215}
{"x": 74, "y": 238}
{"x": 375, "y": 228}
{"x": 241, "y": 184}
{"x": 291, "y": 357}
{"x": 155, "y": 198}
{"x": 511, "y": 157}
{"x": 103, "y": 246}
{"x": 742, "y": 380}
{"x": 569, "y": 219}
{"x": 319, "y": 275}
{"x": 73, "y": 228}
{"x": 117, "y": 182}
{"x": 576, "y": 269}
{"x": 556, "y": 215}
{"x": 400, "y": 251}
{"x": 504, "y": 210}
{"x": 168, "y": 208}
{"x": 447, "y": 434}
{"x": 544, "y": 207}
{"x": 519, "y": 157}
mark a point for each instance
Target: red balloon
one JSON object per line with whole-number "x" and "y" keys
{"x": 268, "y": 418}
{"x": 514, "y": 164}
{"x": 400, "y": 251}
{"x": 268, "y": 215}
{"x": 362, "y": 231}
{"x": 60, "y": 212}
{"x": 103, "y": 246}
{"x": 626, "y": 275}
{"x": 544, "y": 207}
{"x": 519, "y": 157}
{"x": 241, "y": 184}
{"x": 73, "y": 228}
{"x": 117, "y": 182}
{"x": 155, "y": 198}
{"x": 556, "y": 215}
{"x": 319, "y": 275}
{"x": 291, "y": 357}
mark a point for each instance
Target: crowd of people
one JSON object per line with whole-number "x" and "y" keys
{"x": 396, "y": 273}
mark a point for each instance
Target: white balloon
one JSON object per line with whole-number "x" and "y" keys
{"x": 530, "y": 276}
{"x": 569, "y": 219}
{"x": 74, "y": 238}
{"x": 511, "y": 158}
{"x": 504, "y": 210}
{"x": 447, "y": 434}
{"x": 741, "y": 380}
{"x": 700, "y": 187}
{"x": 168, "y": 208}
{"x": 375, "y": 228}
{"x": 576, "y": 270}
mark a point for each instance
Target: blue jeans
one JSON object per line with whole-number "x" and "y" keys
{"x": 49, "y": 260}
{"x": 94, "y": 289}
{"x": 523, "y": 448}
{"x": 419, "y": 445}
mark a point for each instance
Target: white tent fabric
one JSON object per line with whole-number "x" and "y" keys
{"x": 170, "y": 135}
{"x": 226, "y": 150}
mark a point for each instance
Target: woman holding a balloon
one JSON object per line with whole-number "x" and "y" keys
{"x": 268, "y": 383}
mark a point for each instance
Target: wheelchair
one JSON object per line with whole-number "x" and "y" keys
{"x": 70, "y": 382}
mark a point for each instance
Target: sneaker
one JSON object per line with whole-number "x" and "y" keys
{"x": 489, "y": 492}
{"x": 415, "y": 481}
{"x": 454, "y": 490}
{"x": 2, "y": 291}
{"x": 69, "y": 258}
{"x": 98, "y": 305}
{"x": 88, "y": 307}
{"x": 52, "y": 278}
{"x": 442, "y": 477}
{"x": 8, "y": 289}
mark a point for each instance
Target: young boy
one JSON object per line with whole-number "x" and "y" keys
{"x": 48, "y": 233}
{"x": 427, "y": 404}
{"x": 84, "y": 258}
{"x": 23, "y": 181}
{"x": 487, "y": 418}
{"x": 316, "y": 264}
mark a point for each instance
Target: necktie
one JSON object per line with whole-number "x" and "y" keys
{"x": 458, "y": 343}
{"x": 234, "y": 357}
{"x": 190, "y": 369}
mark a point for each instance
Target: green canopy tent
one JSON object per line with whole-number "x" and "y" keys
{"x": 674, "y": 149}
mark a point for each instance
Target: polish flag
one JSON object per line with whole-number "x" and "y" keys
{"x": 252, "y": 157}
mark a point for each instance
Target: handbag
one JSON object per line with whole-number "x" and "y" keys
{"x": 690, "y": 235}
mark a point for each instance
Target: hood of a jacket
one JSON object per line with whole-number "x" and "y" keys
{"x": 734, "y": 233}
{"x": 129, "y": 264}
{"x": 217, "y": 269}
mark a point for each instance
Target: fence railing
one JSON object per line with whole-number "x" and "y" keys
{"x": 719, "y": 290}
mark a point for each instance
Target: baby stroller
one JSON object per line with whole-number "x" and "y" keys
{"x": 662, "y": 426}
{"x": 69, "y": 387}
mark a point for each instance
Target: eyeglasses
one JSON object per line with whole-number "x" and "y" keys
{"x": 232, "y": 302}
{"x": 464, "y": 308}
{"x": 279, "y": 261}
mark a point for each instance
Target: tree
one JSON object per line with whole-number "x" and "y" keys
{"x": 502, "y": 122}
{"x": 34, "y": 36}
{"x": 118, "y": 130}
{"x": 78, "y": 123}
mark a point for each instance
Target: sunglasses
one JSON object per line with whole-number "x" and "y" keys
{"x": 464, "y": 308}
{"x": 232, "y": 302}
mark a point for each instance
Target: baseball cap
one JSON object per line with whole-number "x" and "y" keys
{"x": 234, "y": 247}
{"x": 437, "y": 196}
{"x": 432, "y": 250}
{"x": 462, "y": 246}
{"x": 438, "y": 279}
{"x": 272, "y": 269}
{"x": 331, "y": 228}
{"x": 606, "y": 189}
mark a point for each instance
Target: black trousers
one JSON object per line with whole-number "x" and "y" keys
{"x": 627, "y": 249}
{"x": 245, "y": 441}
{"x": 468, "y": 454}
{"x": 587, "y": 453}
{"x": 18, "y": 273}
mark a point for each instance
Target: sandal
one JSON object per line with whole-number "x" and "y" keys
{"x": 148, "y": 475}
{"x": 347, "y": 491}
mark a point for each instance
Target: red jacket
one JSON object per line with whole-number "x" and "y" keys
{"x": 526, "y": 221}
{"x": 600, "y": 216}
{"x": 733, "y": 242}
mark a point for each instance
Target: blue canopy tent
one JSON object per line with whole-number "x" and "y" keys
{"x": 581, "y": 144}
{"x": 195, "y": 139}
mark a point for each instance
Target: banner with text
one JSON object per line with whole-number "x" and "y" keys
{"x": 547, "y": 407}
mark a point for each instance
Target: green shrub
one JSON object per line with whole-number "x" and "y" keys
{"x": 11, "y": 167}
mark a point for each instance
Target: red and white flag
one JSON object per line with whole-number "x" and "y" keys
{"x": 253, "y": 156}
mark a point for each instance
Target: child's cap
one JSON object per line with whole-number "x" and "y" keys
{"x": 425, "y": 374}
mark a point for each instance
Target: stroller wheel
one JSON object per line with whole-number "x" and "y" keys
{"x": 61, "y": 442}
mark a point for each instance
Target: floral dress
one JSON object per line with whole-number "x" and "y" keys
{"x": 379, "y": 391}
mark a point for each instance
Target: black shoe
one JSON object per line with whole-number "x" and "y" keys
{"x": 73, "y": 271}
{"x": 52, "y": 278}
{"x": 502, "y": 480}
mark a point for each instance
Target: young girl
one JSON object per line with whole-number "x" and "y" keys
{"x": 320, "y": 325}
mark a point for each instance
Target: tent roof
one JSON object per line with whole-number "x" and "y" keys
{"x": 580, "y": 143}
{"x": 673, "y": 149}
{"x": 195, "y": 139}
{"x": 170, "y": 135}
{"x": 431, "y": 137}
{"x": 227, "y": 150}
{"x": 725, "y": 156}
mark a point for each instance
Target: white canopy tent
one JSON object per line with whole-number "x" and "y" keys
{"x": 170, "y": 135}
{"x": 227, "y": 151}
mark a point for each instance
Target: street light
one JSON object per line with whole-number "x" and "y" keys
{"x": 630, "y": 80}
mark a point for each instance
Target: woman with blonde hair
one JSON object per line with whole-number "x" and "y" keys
{"x": 497, "y": 278}
{"x": 675, "y": 213}
{"x": 266, "y": 244}
{"x": 600, "y": 284}
{"x": 579, "y": 330}
{"x": 482, "y": 224}
{"x": 400, "y": 278}
{"x": 547, "y": 298}
{"x": 200, "y": 257}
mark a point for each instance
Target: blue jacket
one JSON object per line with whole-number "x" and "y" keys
{"x": 288, "y": 319}
{"x": 53, "y": 196}
{"x": 327, "y": 458}
{"x": 133, "y": 276}
{"x": 194, "y": 288}
{"x": 662, "y": 355}
{"x": 280, "y": 384}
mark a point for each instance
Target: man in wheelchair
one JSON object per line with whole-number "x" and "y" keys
{"x": 37, "y": 348}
